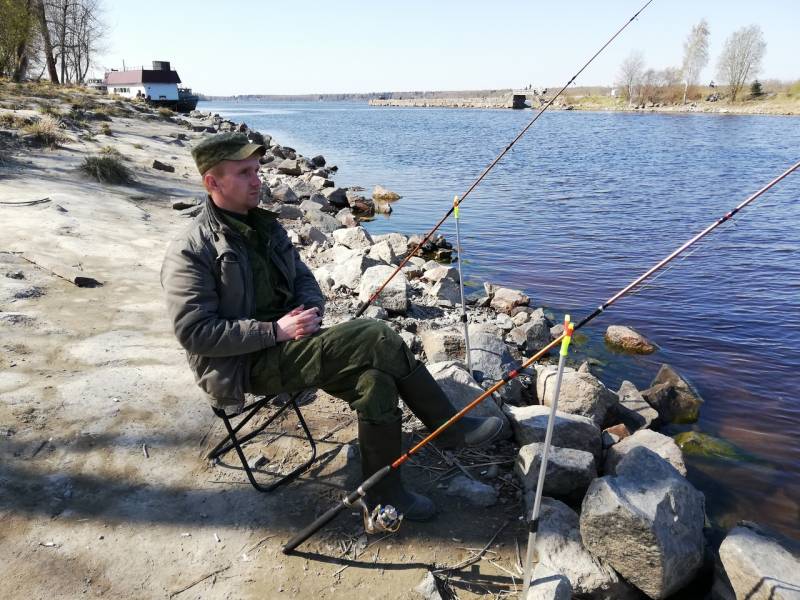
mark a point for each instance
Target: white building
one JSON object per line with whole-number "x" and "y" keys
{"x": 157, "y": 84}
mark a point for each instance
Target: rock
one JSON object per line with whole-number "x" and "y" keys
{"x": 15, "y": 275}
{"x": 629, "y": 340}
{"x": 376, "y": 312}
{"x": 461, "y": 389}
{"x": 289, "y": 167}
{"x": 160, "y": 166}
{"x": 443, "y": 255}
{"x": 256, "y": 138}
{"x": 569, "y": 471}
{"x": 319, "y": 199}
{"x": 295, "y": 238}
{"x": 756, "y": 566}
{"x": 382, "y": 208}
{"x": 619, "y": 432}
{"x": 475, "y": 492}
{"x": 504, "y": 322}
{"x": 187, "y": 203}
{"x": 443, "y": 344}
{"x": 318, "y": 161}
{"x": 447, "y": 292}
{"x": 355, "y": 238}
{"x": 633, "y": 410}
{"x": 529, "y": 424}
{"x": 647, "y": 523}
{"x": 289, "y": 211}
{"x": 308, "y": 205}
{"x": 561, "y": 551}
{"x": 491, "y": 359}
{"x": 381, "y": 193}
{"x": 505, "y": 299}
{"x": 394, "y": 296}
{"x": 537, "y": 332}
{"x": 322, "y": 221}
{"x": 428, "y": 588}
{"x": 310, "y": 234}
{"x": 662, "y": 445}
{"x": 382, "y": 251}
{"x": 549, "y": 586}
{"x": 283, "y": 193}
{"x": 324, "y": 278}
{"x": 398, "y": 242}
{"x": 581, "y": 393}
{"x": 336, "y": 196}
{"x": 346, "y": 218}
{"x": 675, "y": 399}
{"x": 521, "y": 317}
{"x": 584, "y": 368}
{"x": 439, "y": 272}
{"x": 696, "y": 443}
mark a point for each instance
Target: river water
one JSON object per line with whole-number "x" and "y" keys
{"x": 583, "y": 204}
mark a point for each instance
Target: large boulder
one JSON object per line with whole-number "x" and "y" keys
{"x": 569, "y": 471}
{"x": 283, "y": 193}
{"x": 289, "y": 167}
{"x": 323, "y": 221}
{"x": 397, "y": 241}
{"x": 289, "y": 211}
{"x": 461, "y": 389}
{"x": 381, "y": 193}
{"x": 491, "y": 360}
{"x": 675, "y": 399}
{"x": 537, "y": 330}
{"x": 581, "y": 393}
{"x": 569, "y": 431}
{"x": 394, "y": 296}
{"x": 647, "y": 523}
{"x": 632, "y": 409}
{"x": 438, "y": 272}
{"x": 355, "y": 238}
{"x": 561, "y": 550}
{"x": 447, "y": 292}
{"x": 755, "y": 566}
{"x": 629, "y": 340}
{"x": 505, "y": 299}
{"x": 310, "y": 234}
{"x": 348, "y": 266}
{"x": 382, "y": 251}
{"x": 663, "y": 445}
{"x": 336, "y": 196}
{"x": 443, "y": 344}
{"x": 475, "y": 492}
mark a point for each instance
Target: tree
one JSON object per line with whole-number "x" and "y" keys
{"x": 741, "y": 57}
{"x": 756, "y": 90}
{"x": 16, "y": 34}
{"x": 695, "y": 55}
{"x": 630, "y": 74}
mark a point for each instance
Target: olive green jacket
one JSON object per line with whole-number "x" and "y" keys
{"x": 211, "y": 300}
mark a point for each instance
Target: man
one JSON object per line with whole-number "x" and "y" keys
{"x": 248, "y": 311}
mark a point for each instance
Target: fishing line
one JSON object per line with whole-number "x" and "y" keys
{"x": 356, "y": 496}
{"x": 492, "y": 164}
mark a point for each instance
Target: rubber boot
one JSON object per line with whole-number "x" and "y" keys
{"x": 381, "y": 445}
{"x": 429, "y": 403}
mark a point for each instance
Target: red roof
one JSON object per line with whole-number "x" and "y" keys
{"x": 141, "y": 76}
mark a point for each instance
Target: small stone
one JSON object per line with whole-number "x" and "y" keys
{"x": 160, "y": 166}
{"x": 475, "y": 492}
{"x": 381, "y": 193}
{"x": 15, "y": 275}
{"x": 629, "y": 340}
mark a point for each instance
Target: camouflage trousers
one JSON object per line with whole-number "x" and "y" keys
{"x": 358, "y": 361}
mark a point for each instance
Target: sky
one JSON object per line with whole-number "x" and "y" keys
{"x": 269, "y": 47}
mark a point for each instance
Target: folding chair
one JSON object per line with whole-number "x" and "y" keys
{"x": 231, "y": 441}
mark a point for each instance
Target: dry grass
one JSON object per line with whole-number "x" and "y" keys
{"x": 46, "y": 131}
{"x": 12, "y": 121}
{"x": 111, "y": 152}
{"x": 105, "y": 129}
{"x": 106, "y": 169}
{"x": 166, "y": 113}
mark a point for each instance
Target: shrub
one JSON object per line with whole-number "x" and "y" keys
{"x": 106, "y": 169}
{"x": 165, "y": 112}
{"x": 755, "y": 89}
{"x": 110, "y": 152}
{"x": 46, "y": 131}
{"x": 105, "y": 129}
{"x": 49, "y": 109}
{"x": 11, "y": 121}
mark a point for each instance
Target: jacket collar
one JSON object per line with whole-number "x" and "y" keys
{"x": 218, "y": 224}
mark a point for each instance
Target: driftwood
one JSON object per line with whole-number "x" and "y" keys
{"x": 69, "y": 273}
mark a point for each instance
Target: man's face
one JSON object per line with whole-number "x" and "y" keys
{"x": 234, "y": 184}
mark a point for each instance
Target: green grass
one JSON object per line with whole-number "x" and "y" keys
{"x": 106, "y": 169}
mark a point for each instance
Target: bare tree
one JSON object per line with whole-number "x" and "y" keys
{"x": 741, "y": 58}
{"x": 695, "y": 55}
{"x": 47, "y": 44}
{"x": 630, "y": 75}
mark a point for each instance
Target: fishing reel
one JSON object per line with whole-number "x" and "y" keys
{"x": 381, "y": 519}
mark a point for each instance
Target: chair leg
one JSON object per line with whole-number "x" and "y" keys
{"x": 233, "y": 442}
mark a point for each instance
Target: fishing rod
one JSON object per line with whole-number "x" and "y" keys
{"x": 356, "y": 497}
{"x": 492, "y": 164}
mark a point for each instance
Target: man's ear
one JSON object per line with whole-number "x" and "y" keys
{"x": 210, "y": 182}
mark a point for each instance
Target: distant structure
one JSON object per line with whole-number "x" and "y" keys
{"x": 157, "y": 86}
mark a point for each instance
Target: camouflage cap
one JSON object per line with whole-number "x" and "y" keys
{"x": 224, "y": 146}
